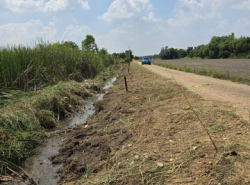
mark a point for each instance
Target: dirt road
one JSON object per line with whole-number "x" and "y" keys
{"x": 238, "y": 95}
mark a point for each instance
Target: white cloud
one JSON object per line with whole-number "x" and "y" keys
{"x": 54, "y": 6}
{"x": 137, "y": 25}
{"x": 222, "y": 25}
{"x": 84, "y": 3}
{"x": 20, "y": 33}
{"x": 242, "y": 27}
{"x": 126, "y": 9}
{"x": 244, "y": 5}
{"x": 150, "y": 17}
{"x": 140, "y": 37}
{"x": 189, "y": 11}
{"x": 76, "y": 33}
{"x": 42, "y": 5}
{"x": 21, "y": 5}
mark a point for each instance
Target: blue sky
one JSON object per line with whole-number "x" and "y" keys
{"x": 143, "y": 25}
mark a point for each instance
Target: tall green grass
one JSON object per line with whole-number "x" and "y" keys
{"x": 19, "y": 134}
{"x": 24, "y": 67}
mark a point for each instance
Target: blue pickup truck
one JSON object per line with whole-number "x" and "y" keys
{"x": 145, "y": 60}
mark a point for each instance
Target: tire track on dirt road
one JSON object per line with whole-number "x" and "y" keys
{"x": 237, "y": 95}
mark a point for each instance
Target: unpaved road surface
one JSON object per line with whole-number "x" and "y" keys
{"x": 238, "y": 95}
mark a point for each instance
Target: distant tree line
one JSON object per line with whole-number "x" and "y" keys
{"x": 218, "y": 47}
{"x": 126, "y": 56}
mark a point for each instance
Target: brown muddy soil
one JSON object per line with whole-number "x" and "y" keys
{"x": 151, "y": 135}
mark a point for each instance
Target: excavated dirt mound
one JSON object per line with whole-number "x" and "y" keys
{"x": 152, "y": 135}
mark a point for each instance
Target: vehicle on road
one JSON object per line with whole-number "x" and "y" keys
{"x": 145, "y": 60}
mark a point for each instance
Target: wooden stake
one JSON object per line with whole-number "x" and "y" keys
{"x": 126, "y": 85}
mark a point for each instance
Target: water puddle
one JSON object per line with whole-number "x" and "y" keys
{"x": 41, "y": 169}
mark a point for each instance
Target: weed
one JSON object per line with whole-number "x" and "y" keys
{"x": 237, "y": 147}
{"x": 187, "y": 107}
{"x": 230, "y": 113}
{"x": 217, "y": 127}
{"x": 188, "y": 69}
{"x": 175, "y": 93}
{"x": 216, "y": 74}
{"x": 87, "y": 173}
{"x": 198, "y": 111}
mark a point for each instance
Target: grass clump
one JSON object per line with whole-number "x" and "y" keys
{"x": 20, "y": 132}
{"x": 217, "y": 127}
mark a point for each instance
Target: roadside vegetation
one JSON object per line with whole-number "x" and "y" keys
{"x": 42, "y": 85}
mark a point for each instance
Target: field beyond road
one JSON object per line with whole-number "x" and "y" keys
{"x": 152, "y": 135}
{"x": 237, "y": 95}
{"x": 234, "y": 69}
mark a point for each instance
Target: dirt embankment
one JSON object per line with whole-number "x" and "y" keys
{"x": 150, "y": 135}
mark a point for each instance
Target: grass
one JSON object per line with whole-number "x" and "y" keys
{"x": 27, "y": 68}
{"x": 148, "y": 173}
{"x": 238, "y": 148}
{"x": 20, "y": 132}
{"x": 217, "y": 127}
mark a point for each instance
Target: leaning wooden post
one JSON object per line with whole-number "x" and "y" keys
{"x": 126, "y": 85}
{"x": 130, "y": 59}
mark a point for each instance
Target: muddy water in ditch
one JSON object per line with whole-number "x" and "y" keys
{"x": 41, "y": 169}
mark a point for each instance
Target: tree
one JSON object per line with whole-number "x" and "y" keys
{"x": 190, "y": 52}
{"x": 71, "y": 44}
{"x": 88, "y": 44}
{"x": 103, "y": 51}
{"x": 122, "y": 55}
{"x": 182, "y": 53}
{"x": 129, "y": 55}
{"x": 218, "y": 47}
{"x": 169, "y": 53}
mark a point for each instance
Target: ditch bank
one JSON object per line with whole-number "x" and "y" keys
{"x": 45, "y": 112}
{"x": 40, "y": 167}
